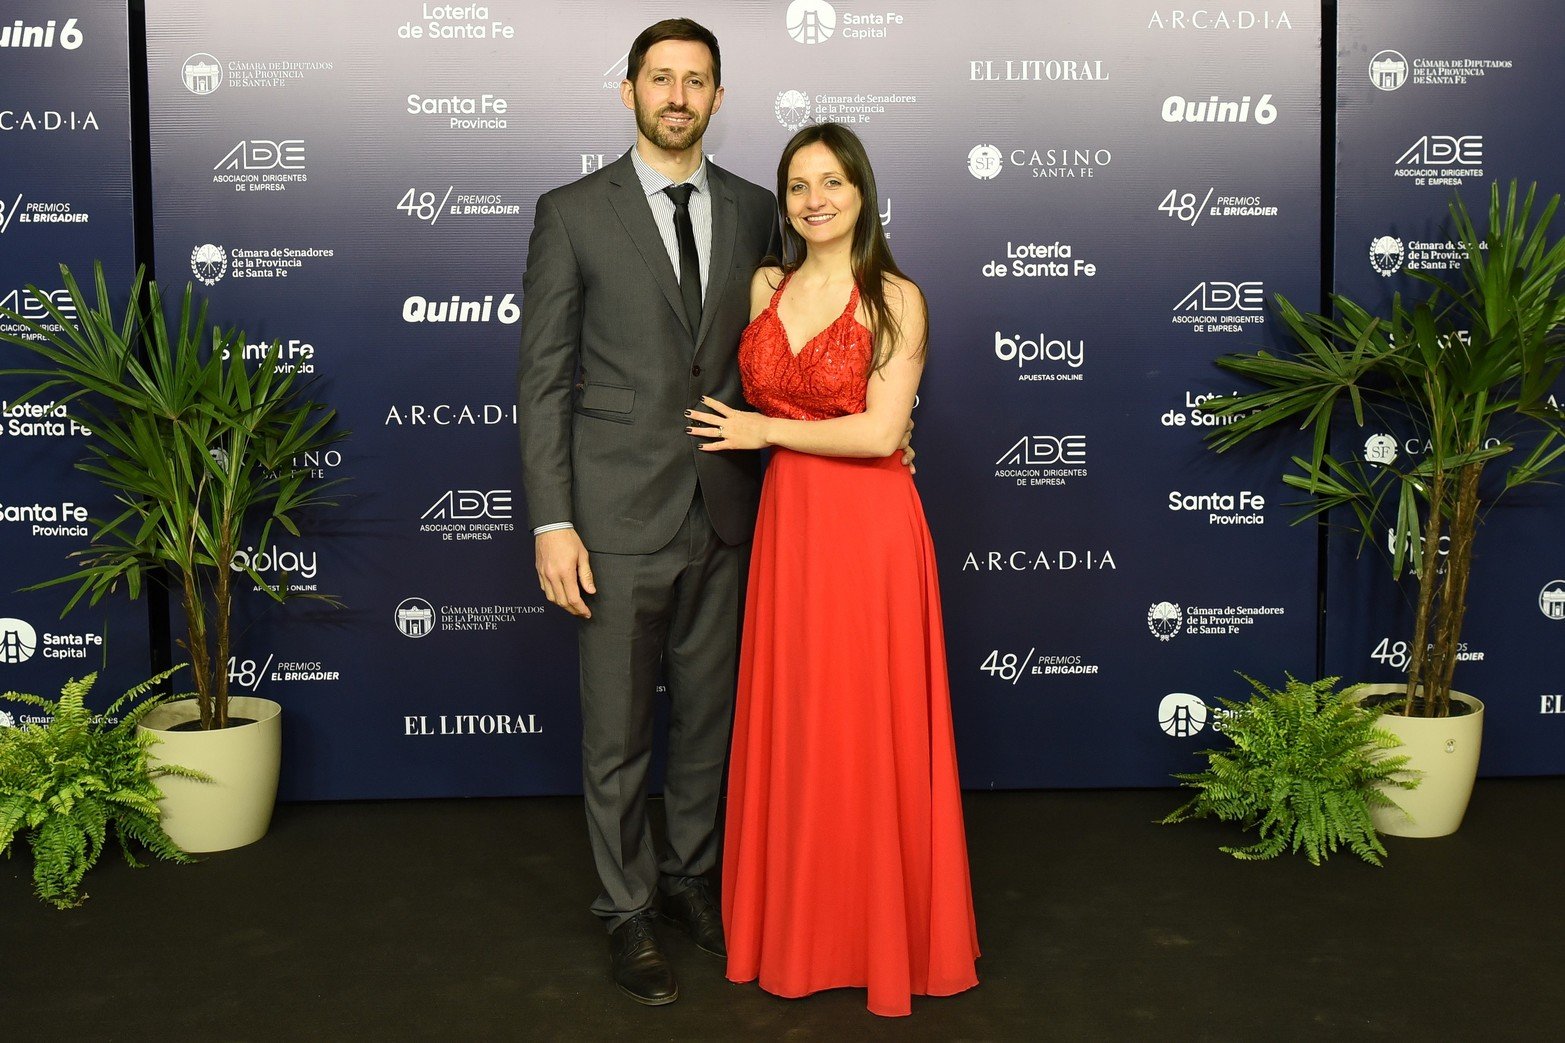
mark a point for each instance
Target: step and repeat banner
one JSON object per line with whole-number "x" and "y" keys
{"x": 1097, "y": 202}
{"x": 65, "y": 197}
{"x": 1429, "y": 108}
{"x": 1105, "y": 574}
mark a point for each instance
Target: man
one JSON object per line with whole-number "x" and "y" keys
{"x": 634, "y": 302}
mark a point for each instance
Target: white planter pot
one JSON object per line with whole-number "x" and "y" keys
{"x": 1445, "y": 750}
{"x": 235, "y": 808}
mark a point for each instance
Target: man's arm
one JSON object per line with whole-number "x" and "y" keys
{"x": 551, "y": 346}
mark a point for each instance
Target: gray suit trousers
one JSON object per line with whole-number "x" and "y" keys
{"x": 677, "y": 609}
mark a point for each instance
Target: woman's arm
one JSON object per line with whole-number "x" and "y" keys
{"x": 877, "y": 432}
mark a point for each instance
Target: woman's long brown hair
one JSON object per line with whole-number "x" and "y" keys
{"x": 871, "y": 256}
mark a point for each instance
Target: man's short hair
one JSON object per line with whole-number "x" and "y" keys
{"x": 674, "y": 29}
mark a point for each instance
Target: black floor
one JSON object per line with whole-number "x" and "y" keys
{"x": 467, "y": 920}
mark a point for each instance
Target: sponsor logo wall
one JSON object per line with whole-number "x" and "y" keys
{"x": 363, "y": 192}
{"x": 1104, "y": 205}
{"x": 1097, "y": 203}
{"x": 1430, "y": 107}
{"x": 65, "y": 196}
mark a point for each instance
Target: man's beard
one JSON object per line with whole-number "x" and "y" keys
{"x": 653, "y": 130}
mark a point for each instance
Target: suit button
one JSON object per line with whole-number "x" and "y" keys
{"x": 695, "y": 371}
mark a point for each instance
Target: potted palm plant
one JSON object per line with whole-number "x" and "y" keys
{"x": 1469, "y": 369}
{"x": 196, "y": 444}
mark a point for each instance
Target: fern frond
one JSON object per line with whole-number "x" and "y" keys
{"x": 1305, "y": 765}
{"x": 66, "y": 784}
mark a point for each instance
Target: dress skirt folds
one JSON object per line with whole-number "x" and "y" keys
{"x": 845, "y": 860}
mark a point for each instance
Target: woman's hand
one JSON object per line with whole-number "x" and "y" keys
{"x": 733, "y": 428}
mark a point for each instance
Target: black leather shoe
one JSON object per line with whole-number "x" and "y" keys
{"x": 694, "y": 911}
{"x": 639, "y": 968}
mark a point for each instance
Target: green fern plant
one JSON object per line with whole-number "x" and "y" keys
{"x": 1306, "y": 765}
{"x": 65, "y": 784}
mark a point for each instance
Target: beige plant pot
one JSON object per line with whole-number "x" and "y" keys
{"x": 1445, "y": 750}
{"x": 235, "y": 808}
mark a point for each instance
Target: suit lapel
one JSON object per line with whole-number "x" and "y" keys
{"x": 630, "y": 203}
{"x": 725, "y": 227}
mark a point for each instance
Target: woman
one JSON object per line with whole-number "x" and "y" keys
{"x": 845, "y": 862}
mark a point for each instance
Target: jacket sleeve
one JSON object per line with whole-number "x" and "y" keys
{"x": 550, "y": 352}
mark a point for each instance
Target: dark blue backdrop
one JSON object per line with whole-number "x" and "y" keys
{"x": 1452, "y": 104}
{"x": 1093, "y": 201}
{"x": 1097, "y": 202}
{"x": 65, "y": 197}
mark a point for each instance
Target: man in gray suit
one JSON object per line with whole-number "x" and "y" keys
{"x": 636, "y": 292}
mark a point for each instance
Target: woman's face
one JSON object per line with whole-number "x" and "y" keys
{"x": 823, "y": 205}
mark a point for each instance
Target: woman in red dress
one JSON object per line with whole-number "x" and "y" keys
{"x": 846, "y": 862}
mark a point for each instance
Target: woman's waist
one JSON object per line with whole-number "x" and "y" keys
{"x": 782, "y": 457}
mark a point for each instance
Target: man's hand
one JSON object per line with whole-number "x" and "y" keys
{"x": 563, "y": 572}
{"x": 908, "y": 452}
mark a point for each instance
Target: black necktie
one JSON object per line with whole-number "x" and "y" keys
{"x": 689, "y": 263}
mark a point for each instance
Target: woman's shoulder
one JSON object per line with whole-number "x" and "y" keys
{"x": 763, "y": 284}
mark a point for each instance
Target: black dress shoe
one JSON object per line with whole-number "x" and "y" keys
{"x": 694, "y": 910}
{"x": 639, "y": 968}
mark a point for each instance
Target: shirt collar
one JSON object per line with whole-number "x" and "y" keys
{"x": 654, "y": 181}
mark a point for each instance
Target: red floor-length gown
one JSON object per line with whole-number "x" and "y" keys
{"x": 845, "y": 861}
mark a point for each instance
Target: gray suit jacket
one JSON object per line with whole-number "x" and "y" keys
{"x": 609, "y": 364}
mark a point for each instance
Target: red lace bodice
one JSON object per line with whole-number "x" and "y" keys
{"x": 826, "y": 379}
